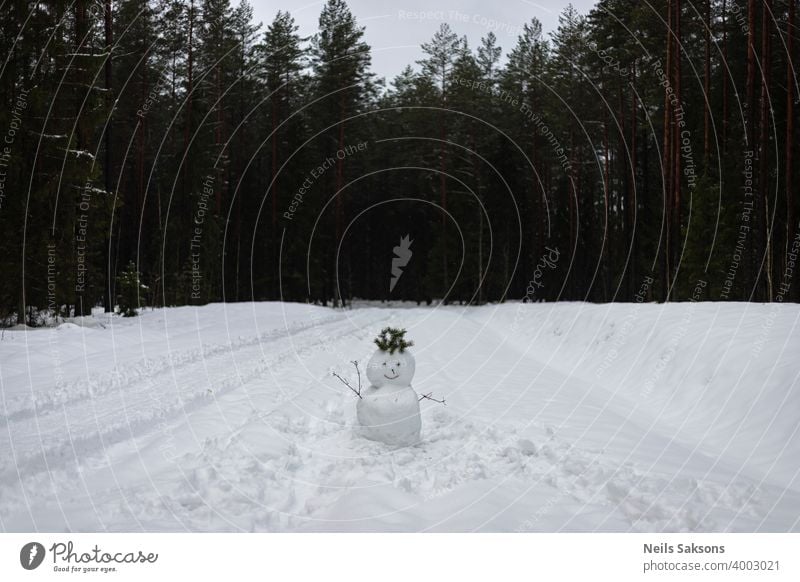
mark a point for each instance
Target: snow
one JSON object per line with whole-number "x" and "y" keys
{"x": 559, "y": 417}
{"x": 388, "y": 409}
{"x": 80, "y": 153}
{"x": 389, "y": 414}
{"x": 391, "y": 369}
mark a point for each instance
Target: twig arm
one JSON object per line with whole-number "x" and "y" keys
{"x": 429, "y": 396}
{"x": 355, "y": 363}
{"x": 346, "y": 383}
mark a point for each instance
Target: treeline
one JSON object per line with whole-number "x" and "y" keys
{"x": 641, "y": 152}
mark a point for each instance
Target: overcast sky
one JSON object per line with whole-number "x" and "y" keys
{"x": 395, "y": 29}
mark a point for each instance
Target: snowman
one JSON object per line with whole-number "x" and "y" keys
{"x": 388, "y": 410}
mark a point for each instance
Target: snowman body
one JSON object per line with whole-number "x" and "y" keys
{"x": 388, "y": 410}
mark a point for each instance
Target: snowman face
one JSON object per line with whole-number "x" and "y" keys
{"x": 395, "y": 369}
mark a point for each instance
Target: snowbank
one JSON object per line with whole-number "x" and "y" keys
{"x": 559, "y": 417}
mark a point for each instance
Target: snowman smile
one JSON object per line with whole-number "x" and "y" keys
{"x": 392, "y": 377}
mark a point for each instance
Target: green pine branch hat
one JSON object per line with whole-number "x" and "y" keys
{"x": 392, "y": 339}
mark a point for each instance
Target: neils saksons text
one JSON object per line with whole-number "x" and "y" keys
{"x": 665, "y": 548}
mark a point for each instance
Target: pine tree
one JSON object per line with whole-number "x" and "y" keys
{"x": 131, "y": 291}
{"x": 524, "y": 82}
{"x": 566, "y": 72}
{"x": 244, "y": 85}
{"x": 281, "y": 60}
{"x": 341, "y": 61}
{"x": 123, "y": 110}
{"x": 442, "y": 52}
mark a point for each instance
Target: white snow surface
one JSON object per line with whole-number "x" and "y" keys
{"x": 388, "y": 409}
{"x": 389, "y": 414}
{"x": 559, "y": 417}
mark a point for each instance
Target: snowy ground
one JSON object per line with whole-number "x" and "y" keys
{"x": 565, "y": 417}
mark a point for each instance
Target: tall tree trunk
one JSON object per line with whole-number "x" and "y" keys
{"x": 573, "y": 198}
{"x": 725, "y": 81}
{"x": 763, "y": 125}
{"x": 188, "y": 125}
{"x": 274, "y": 164}
{"x": 141, "y": 146}
{"x": 791, "y": 227}
{"x": 751, "y": 74}
{"x": 108, "y": 300}
{"x": 667, "y": 157}
{"x": 707, "y": 90}
{"x": 606, "y": 267}
{"x": 241, "y": 134}
{"x": 81, "y": 138}
{"x": 750, "y": 132}
{"x": 443, "y": 183}
{"x": 631, "y": 195}
{"x": 274, "y": 176}
{"x": 540, "y": 184}
{"x": 476, "y": 172}
{"x": 339, "y": 296}
{"x": 676, "y": 156}
{"x": 218, "y": 133}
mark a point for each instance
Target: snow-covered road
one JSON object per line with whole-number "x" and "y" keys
{"x": 558, "y": 417}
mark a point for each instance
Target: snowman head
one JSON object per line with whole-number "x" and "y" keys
{"x": 391, "y": 364}
{"x": 386, "y": 369}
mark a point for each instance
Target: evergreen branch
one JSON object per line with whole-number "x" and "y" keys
{"x": 392, "y": 339}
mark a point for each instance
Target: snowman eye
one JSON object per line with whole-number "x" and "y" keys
{"x": 398, "y": 364}
{"x": 384, "y": 364}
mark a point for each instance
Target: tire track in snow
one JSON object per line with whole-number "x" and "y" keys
{"x": 124, "y": 376}
{"x": 110, "y": 422}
